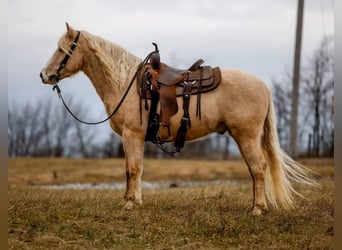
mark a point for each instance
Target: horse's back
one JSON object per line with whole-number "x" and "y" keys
{"x": 242, "y": 83}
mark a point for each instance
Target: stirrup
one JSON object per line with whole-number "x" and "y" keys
{"x": 165, "y": 136}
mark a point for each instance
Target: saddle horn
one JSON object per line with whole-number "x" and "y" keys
{"x": 155, "y": 47}
{"x": 155, "y": 58}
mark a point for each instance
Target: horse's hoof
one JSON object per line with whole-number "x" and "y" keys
{"x": 129, "y": 205}
{"x": 257, "y": 211}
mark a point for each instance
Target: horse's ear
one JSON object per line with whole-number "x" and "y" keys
{"x": 71, "y": 32}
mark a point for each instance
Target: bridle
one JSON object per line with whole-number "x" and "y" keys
{"x": 62, "y": 66}
{"x": 67, "y": 57}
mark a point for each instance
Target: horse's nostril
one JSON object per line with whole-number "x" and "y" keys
{"x": 41, "y": 75}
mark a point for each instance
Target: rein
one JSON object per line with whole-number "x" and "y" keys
{"x": 59, "y": 92}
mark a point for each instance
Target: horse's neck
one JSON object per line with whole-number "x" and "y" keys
{"x": 97, "y": 77}
{"x": 108, "y": 87}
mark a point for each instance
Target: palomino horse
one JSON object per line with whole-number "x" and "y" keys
{"x": 241, "y": 105}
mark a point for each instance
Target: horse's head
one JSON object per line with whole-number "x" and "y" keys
{"x": 66, "y": 60}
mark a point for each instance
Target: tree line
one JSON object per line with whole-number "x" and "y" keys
{"x": 45, "y": 129}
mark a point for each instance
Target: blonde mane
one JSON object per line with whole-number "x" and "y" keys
{"x": 118, "y": 64}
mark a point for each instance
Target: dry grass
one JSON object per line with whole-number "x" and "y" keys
{"x": 212, "y": 217}
{"x": 57, "y": 170}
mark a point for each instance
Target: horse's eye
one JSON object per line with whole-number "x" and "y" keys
{"x": 60, "y": 50}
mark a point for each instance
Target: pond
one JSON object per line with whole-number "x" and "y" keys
{"x": 144, "y": 184}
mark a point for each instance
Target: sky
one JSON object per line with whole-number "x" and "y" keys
{"x": 256, "y": 36}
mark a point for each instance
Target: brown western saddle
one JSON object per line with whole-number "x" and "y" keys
{"x": 162, "y": 83}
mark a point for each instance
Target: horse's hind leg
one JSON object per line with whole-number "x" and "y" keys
{"x": 252, "y": 153}
{"x": 133, "y": 147}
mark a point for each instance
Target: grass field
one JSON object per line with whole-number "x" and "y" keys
{"x": 210, "y": 217}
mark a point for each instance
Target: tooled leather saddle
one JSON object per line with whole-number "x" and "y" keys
{"x": 162, "y": 83}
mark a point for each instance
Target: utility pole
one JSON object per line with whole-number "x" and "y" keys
{"x": 296, "y": 79}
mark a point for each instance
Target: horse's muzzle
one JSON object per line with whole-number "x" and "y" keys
{"x": 48, "y": 79}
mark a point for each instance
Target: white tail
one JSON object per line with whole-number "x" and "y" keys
{"x": 282, "y": 169}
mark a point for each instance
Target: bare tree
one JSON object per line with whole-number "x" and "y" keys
{"x": 82, "y": 134}
{"x": 281, "y": 93}
{"x": 24, "y": 131}
{"x": 315, "y": 106}
{"x": 318, "y": 87}
{"x": 46, "y": 145}
{"x": 61, "y": 133}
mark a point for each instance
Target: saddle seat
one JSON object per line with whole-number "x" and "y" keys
{"x": 171, "y": 76}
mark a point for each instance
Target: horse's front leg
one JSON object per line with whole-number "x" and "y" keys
{"x": 134, "y": 151}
